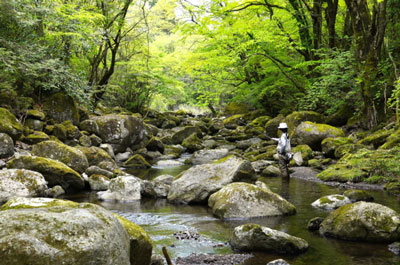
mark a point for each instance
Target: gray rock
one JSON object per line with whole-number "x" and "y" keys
{"x": 271, "y": 171}
{"x": 155, "y": 144}
{"x": 358, "y": 195}
{"x": 121, "y": 131}
{"x": 243, "y": 200}
{"x": 205, "y": 156}
{"x": 98, "y": 182}
{"x": 95, "y": 140}
{"x": 34, "y": 124}
{"x": 21, "y": 183}
{"x": 169, "y": 163}
{"x": 253, "y": 237}
{"x": 6, "y": 146}
{"x": 109, "y": 149}
{"x": 124, "y": 189}
{"x": 183, "y": 133}
{"x": 331, "y": 202}
{"x": 122, "y": 157}
{"x": 68, "y": 155}
{"x": 199, "y": 182}
{"x": 260, "y": 165}
{"x": 61, "y": 107}
{"x": 362, "y": 221}
{"x": 80, "y": 234}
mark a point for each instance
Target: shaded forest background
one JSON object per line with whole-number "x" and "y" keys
{"x": 339, "y": 58}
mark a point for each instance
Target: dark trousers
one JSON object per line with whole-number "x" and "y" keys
{"x": 283, "y": 166}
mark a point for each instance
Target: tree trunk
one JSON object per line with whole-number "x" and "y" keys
{"x": 369, "y": 34}
{"x": 330, "y": 16}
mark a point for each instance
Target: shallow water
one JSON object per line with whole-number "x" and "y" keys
{"x": 162, "y": 219}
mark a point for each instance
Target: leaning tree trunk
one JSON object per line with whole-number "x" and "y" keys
{"x": 368, "y": 35}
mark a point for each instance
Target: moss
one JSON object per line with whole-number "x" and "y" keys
{"x": 260, "y": 122}
{"x": 325, "y": 200}
{"x": 36, "y": 137}
{"x": 393, "y": 188}
{"x": 37, "y": 203}
{"x": 234, "y": 108}
{"x": 224, "y": 159}
{"x": 342, "y": 173}
{"x": 250, "y": 227}
{"x": 192, "y": 143}
{"x": 61, "y": 107}
{"x": 9, "y": 124}
{"x": 377, "y": 138}
{"x": 348, "y": 149}
{"x": 37, "y": 114}
{"x": 233, "y": 119}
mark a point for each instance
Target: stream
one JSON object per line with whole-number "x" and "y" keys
{"x": 210, "y": 235}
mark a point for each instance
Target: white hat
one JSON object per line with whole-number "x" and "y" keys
{"x": 282, "y": 125}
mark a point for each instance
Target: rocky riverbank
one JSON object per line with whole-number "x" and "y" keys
{"x": 61, "y": 148}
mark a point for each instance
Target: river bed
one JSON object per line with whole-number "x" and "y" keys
{"x": 208, "y": 234}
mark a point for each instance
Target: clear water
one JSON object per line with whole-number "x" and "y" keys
{"x": 162, "y": 219}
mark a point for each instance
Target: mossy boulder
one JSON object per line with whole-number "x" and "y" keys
{"x": 121, "y": 131}
{"x": 140, "y": 242}
{"x": 33, "y": 124}
{"x": 377, "y": 138}
{"x": 260, "y": 121}
{"x": 55, "y": 172}
{"x": 196, "y": 184}
{"x": 61, "y": 107}
{"x": 35, "y": 114}
{"x": 392, "y": 140}
{"x": 98, "y": 182}
{"x": 192, "y": 143}
{"x": 234, "y": 108}
{"x": 306, "y": 153}
{"x": 136, "y": 161}
{"x": 393, "y": 188}
{"x": 36, "y": 137}
{"x": 123, "y": 189}
{"x": 9, "y": 124}
{"x": 313, "y": 134}
{"x": 341, "y": 116}
{"x": 85, "y": 140}
{"x": 6, "y": 145}
{"x": 21, "y": 183}
{"x": 271, "y": 127}
{"x": 331, "y": 202}
{"x": 234, "y": 121}
{"x": 342, "y": 173}
{"x": 89, "y": 126}
{"x": 271, "y": 171}
{"x": 72, "y": 157}
{"x": 155, "y": 144}
{"x": 183, "y": 133}
{"x": 243, "y": 200}
{"x": 362, "y": 221}
{"x": 81, "y": 234}
{"x": 253, "y": 237}
{"x": 293, "y": 120}
{"x": 96, "y": 155}
{"x": 358, "y": 195}
{"x": 342, "y": 150}
{"x": 329, "y": 145}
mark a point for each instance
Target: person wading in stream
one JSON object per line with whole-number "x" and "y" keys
{"x": 284, "y": 150}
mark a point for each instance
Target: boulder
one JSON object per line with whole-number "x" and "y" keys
{"x": 253, "y": 237}
{"x": 123, "y": 189}
{"x": 205, "y": 156}
{"x": 95, "y": 170}
{"x": 342, "y": 150}
{"x": 358, "y": 195}
{"x": 72, "y": 157}
{"x": 61, "y": 107}
{"x": 96, "y": 155}
{"x": 271, "y": 127}
{"x": 80, "y": 234}
{"x": 136, "y": 161}
{"x": 278, "y": 262}
{"x": 36, "y": 137}
{"x": 158, "y": 188}
{"x": 293, "y": 120}
{"x": 306, "y": 154}
{"x": 6, "y": 146}
{"x": 395, "y": 248}
{"x": 55, "y": 173}
{"x": 89, "y": 126}
{"x": 21, "y": 183}
{"x": 271, "y": 171}
{"x": 95, "y": 140}
{"x": 331, "y": 202}
{"x": 342, "y": 173}
{"x": 233, "y": 108}
{"x": 183, "y": 133}
{"x": 192, "y": 143}
{"x": 196, "y": 184}
{"x": 121, "y": 131}
{"x": 377, "y": 138}
{"x": 260, "y": 165}
{"x": 362, "y": 221}
{"x": 85, "y": 140}
{"x": 9, "y": 124}
{"x": 33, "y": 124}
{"x": 55, "y": 191}
{"x": 329, "y": 145}
{"x": 234, "y": 121}
{"x": 243, "y": 200}
{"x": 244, "y": 144}
{"x": 155, "y": 144}
{"x": 98, "y": 182}
{"x": 260, "y": 121}
{"x": 313, "y": 134}
{"x": 314, "y": 223}
{"x": 35, "y": 114}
